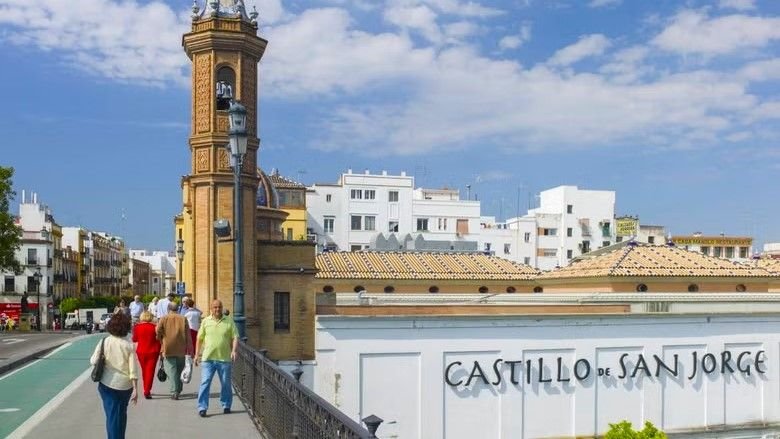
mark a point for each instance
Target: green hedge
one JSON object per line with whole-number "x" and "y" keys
{"x": 624, "y": 430}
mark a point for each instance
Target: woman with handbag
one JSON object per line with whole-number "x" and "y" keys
{"x": 147, "y": 348}
{"x": 118, "y": 380}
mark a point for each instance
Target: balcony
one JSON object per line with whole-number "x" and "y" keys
{"x": 31, "y": 261}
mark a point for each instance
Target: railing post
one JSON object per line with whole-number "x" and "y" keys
{"x": 254, "y": 384}
{"x": 372, "y": 423}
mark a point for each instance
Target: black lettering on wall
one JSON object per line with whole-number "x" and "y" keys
{"x": 541, "y": 372}
{"x": 477, "y": 372}
{"x": 713, "y": 363}
{"x": 513, "y": 375}
{"x": 695, "y": 366}
{"x": 447, "y": 374}
{"x": 758, "y": 361}
{"x": 659, "y": 363}
{"x": 560, "y": 371}
{"x": 577, "y": 364}
{"x": 725, "y": 357}
{"x": 640, "y": 364}
{"x": 745, "y": 370}
{"x": 622, "y": 366}
{"x": 497, "y": 371}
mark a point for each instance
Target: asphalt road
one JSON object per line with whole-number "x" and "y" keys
{"x": 15, "y": 344}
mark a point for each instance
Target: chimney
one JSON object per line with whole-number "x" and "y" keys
{"x": 367, "y": 172}
{"x": 403, "y": 173}
{"x": 384, "y": 172}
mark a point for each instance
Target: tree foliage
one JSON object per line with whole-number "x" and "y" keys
{"x": 10, "y": 233}
{"x": 624, "y": 430}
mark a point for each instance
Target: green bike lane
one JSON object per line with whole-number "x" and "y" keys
{"x": 24, "y": 391}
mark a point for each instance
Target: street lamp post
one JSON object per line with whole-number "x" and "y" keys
{"x": 237, "y": 147}
{"x": 179, "y": 259}
{"x": 38, "y": 277}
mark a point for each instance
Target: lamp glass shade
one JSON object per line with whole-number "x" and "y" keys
{"x": 238, "y": 136}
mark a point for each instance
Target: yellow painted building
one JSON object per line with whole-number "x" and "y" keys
{"x": 292, "y": 200}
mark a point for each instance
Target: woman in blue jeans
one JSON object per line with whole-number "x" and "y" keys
{"x": 119, "y": 383}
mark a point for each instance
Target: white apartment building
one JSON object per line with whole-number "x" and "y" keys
{"x": 572, "y": 221}
{"x": 347, "y": 215}
{"x": 35, "y": 259}
{"x": 515, "y": 239}
{"x": 163, "y": 270}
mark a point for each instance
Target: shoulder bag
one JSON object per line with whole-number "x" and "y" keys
{"x": 97, "y": 369}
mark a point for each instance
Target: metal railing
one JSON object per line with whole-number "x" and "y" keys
{"x": 282, "y": 408}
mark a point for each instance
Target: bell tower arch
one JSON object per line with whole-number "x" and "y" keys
{"x": 225, "y": 49}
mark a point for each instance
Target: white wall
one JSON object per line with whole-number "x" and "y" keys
{"x": 394, "y": 367}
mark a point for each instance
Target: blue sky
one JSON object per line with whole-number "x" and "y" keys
{"x": 674, "y": 105}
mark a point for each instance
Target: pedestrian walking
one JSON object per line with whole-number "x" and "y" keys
{"x": 147, "y": 349}
{"x": 122, "y": 308}
{"x": 118, "y": 385}
{"x": 163, "y": 308}
{"x": 152, "y": 308}
{"x": 173, "y": 333}
{"x": 216, "y": 350}
{"x": 136, "y": 308}
{"x": 193, "y": 315}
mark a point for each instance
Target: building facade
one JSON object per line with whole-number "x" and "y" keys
{"x": 734, "y": 248}
{"x": 292, "y": 201}
{"x": 570, "y": 222}
{"x": 161, "y": 269}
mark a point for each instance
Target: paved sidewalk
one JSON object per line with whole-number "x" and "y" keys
{"x": 78, "y": 412}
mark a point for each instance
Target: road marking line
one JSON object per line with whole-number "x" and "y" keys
{"x": 33, "y": 362}
{"x": 13, "y": 340}
{"x": 42, "y": 413}
{"x": 13, "y": 409}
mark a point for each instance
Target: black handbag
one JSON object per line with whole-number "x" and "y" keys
{"x": 161, "y": 375}
{"x": 97, "y": 370}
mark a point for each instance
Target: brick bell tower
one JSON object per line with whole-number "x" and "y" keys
{"x": 224, "y": 49}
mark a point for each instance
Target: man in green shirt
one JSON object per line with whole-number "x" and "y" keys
{"x": 216, "y": 350}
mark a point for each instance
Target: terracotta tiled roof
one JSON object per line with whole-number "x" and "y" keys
{"x": 654, "y": 261}
{"x": 419, "y": 265}
{"x": 770, "y": 265}
{"x": 284, "y": 182}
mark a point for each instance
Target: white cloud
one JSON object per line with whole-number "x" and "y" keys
{"x": 602, "y": 3}
{"x": 514, "y": 41}
{"x": 695, "y": 32}
{"x": 459, "y": 8}
{"x": 125, "y": 41}
{"x": 740, "y": 5}
{"x": 628, "y": 65}
{"x": 764, "y": 70}
{"x": 303, "y": 59}
{"x": 442, "y": 97}
{"x": 587, "y": 46}
{"x": 460, "y": 30}
{"x": 419, "y": 18}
